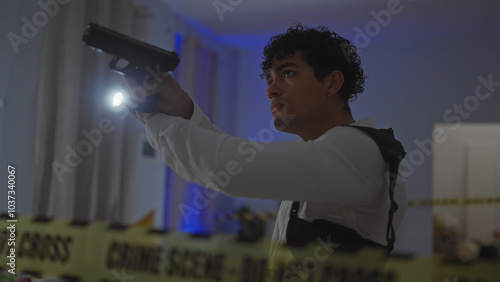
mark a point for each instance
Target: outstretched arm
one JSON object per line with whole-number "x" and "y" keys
{"x": 343, "y": 166}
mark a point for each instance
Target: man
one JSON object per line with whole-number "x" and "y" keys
{"x": 337, "y": 175}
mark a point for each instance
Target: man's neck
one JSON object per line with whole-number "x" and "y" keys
{"x": 315, "y": 131}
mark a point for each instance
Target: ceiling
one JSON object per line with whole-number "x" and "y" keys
{"x": 249, "y": 21}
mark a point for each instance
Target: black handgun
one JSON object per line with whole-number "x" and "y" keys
{"x": 132, "y": 57}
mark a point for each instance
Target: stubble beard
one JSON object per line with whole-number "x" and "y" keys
{"x": 284, "y": 122}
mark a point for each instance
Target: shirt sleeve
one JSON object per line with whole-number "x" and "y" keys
{"x": 201, "y": 119}
{"x": 343, "y": 166}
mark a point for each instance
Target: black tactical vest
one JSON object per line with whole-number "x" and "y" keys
{"x": 300, "y": 232}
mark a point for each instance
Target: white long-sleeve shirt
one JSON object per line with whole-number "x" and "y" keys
{"x": 340, "y": 177}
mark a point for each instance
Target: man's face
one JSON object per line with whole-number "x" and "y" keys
{"x": 298, "y": 99}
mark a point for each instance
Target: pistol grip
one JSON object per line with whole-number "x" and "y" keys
{"x": 150, "y": 105}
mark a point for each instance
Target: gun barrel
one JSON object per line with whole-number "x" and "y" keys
{"x": 141, "y": 54}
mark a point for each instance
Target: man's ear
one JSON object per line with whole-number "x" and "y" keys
{"x": 334, "y": 81}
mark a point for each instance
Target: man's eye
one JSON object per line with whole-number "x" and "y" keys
{"x": 287, "y": 73}
{"x": 269, "y": 81}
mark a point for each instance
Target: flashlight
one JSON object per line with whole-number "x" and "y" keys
{"x": 117, "y": 99}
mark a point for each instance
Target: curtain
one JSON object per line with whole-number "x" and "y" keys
{"x": 85, "y": 151}
{"x": 197, "y": 74}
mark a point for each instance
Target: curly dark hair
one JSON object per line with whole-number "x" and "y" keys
{"x": 324, "y": 51}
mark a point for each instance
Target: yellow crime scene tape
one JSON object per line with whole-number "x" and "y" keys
{"x": 100, "y": 252}
{"x": 247, "y": 216}
{"x": 455, "y": 202}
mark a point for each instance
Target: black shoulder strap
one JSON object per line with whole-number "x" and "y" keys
{"x": 393, "y": 152}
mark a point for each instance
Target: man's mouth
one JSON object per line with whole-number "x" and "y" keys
{"x": 276, "y": 107}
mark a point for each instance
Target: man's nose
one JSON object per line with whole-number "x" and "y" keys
{"x": 273, "y": 90}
